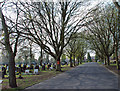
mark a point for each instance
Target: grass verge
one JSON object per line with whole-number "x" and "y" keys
{"x": 29, "y": 80}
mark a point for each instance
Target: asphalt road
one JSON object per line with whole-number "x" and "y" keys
{"x": 90, "y": 76}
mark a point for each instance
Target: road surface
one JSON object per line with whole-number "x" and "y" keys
{"x": 89, "y": 76}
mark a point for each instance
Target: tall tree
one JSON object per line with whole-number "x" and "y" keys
{"x": 11, "y": 34}
{"x": 89, "y": 57}
{"x": 100, "y": 35}
{"x": 117, "y": 38}
{"x": 52, "y": 24}
{"x": 11, "y": 53}
{"x": 116, "y": 4}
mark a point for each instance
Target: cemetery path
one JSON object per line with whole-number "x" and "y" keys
{"x": 87, "y": 76}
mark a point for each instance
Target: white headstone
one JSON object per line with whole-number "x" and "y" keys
{"x": 51, "y": 68}
{"x": 27, "y": 71}
{"x": 28, "y": 65}
{"x": 35, "y": 71}
{"x": 1, "y": 81}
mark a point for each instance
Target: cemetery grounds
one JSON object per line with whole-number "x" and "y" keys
{"x": 31, "y": 79}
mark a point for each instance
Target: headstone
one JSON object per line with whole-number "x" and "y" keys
{"x": 1, "y": 81}
{"x": 24, "y": 67}
{"x": 37, "y": 67}
{"x": 28, "y": 66}
{"x": 31, "y": 66}
{"x": 51, "y": 68}
{"x": 49, "y": 65}
{"x": 20, "y": 77}
{"x": 54, "y": 66}
{"x": 7, "y": 69}
{"x": 43, "y": 67}
{"x": 27, "y": 71}
{"x": 36, "y": 71}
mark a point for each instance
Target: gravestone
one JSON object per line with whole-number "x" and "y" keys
{"x": 43, "y": 67}
{"x": 28, "y": 66}
{"x": 49, "y": 65}
{"x": 36, "y": 71}
{"x": 24, "y": 67}
{"x": 31, "y": 66}
{"x": 54, "y": 66}
{"x": 27, "y": 71}
{"x": 51, "y": 68}
{"x": 19, "y": 71}
{"x": 37, "y": 67}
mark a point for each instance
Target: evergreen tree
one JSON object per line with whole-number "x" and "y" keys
{"x": 89, "y": 57}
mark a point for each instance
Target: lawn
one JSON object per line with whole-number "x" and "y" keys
{"x": 29, "y": 80}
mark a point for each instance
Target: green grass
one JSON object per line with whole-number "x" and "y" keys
{"x": 29, "y": 80}
{"x": 100, "y": 62}
{"x": 113, "y": 64}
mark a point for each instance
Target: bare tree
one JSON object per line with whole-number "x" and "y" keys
{"x": 51, "y": 25}
{"x": 71, "y": 49}
{"x": 117, "y": 38}
{"x": 116, "y": 4}
{"x": 10, "y": 40}
{"x": 100, "y": 36}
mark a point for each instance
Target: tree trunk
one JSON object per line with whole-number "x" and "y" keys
{"x": 108, "y": 60}
{"x": 71, "y": 65}
{"x": 74, "y": 60}
{"x": 41, "y": 59}
{"x": 30, "y": 53}
{"x": 12, "y": 76}
{"x": 116, "y": 54}
{"x": 78, "y": 60}
{"x": 116, "y": 4}
{"x": 58, "y": 64}
{"x": 105, "y": 61}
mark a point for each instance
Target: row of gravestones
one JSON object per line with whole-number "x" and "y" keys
{"x": 27, "y": 69}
